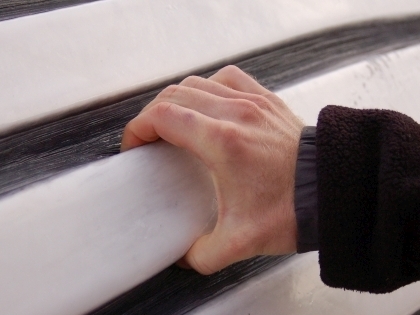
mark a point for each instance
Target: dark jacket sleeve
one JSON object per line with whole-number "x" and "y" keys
{"x": 306, "y": 199}
{"x": 368, "y": 175}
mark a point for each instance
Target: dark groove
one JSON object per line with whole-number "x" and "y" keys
{"x": 50, "y": 148}
{"x": 184, "y": 290}
{"x": 11, "y": 9}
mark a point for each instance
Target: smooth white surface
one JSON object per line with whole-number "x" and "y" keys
{"x": 389, "y": 81}
{"x": 58, "y": 61}
{"x": 294, "y": 287}
{"x": 74, "y": 242}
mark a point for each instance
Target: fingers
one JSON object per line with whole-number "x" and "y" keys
{"x": 235, "y": 78}
{"x": 218, "y": 85}
{"x": 267, "y": 101}
{"x": 207, "y": 103}
{"x": 172, "y": 123}
{"x": 229, "y": 82}
{"x": 212, "y": 87}
{"x": 140, "y": 130}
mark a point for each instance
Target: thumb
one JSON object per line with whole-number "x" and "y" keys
{"x": 215, "y": 251}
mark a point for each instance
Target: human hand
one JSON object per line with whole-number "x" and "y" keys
{"x": 248, "y": 139}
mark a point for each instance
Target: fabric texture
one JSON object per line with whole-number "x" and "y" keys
{"x": 306, "y": 192}
{"x": 368, "y": 174}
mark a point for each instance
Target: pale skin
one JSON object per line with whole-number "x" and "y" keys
{"x": 248, "y": 139}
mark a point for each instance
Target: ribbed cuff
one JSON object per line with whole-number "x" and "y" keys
{"x": 306, "y": 198}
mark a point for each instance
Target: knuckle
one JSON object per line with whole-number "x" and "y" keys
{"x": 229, "y": 137}
{"x": 172, "y": 111}
{"x": 167, "y": 92}
{"x": 231, "y": 71}
{"x": 162, "y": 108}
{"x": 191, "y": 81}
{"x": 261, "y": 101}
{"x": 249, "y": 111}
{"x": 188, "y": 118}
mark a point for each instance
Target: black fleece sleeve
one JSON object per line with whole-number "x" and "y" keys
{"x": 368, "y": 174}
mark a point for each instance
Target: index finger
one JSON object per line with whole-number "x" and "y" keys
{"x": 180, "y": 126}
